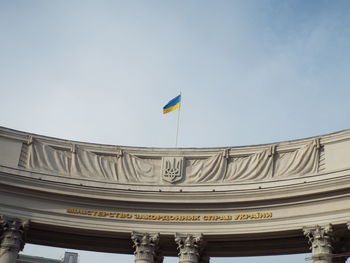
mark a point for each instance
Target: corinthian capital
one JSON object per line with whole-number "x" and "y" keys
{"x": 190, "y": 247}
{"x": 12, "y": 233}
{"x": 320, "y": 239}
{"x": 146, "y": 247}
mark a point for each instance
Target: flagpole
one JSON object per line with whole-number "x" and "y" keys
{"x": 178, "y": 123}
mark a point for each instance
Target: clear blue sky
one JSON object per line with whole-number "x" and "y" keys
{"x": 250, "y": 72}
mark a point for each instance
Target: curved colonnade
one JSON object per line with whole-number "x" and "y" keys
{"x": 270, "y": 199}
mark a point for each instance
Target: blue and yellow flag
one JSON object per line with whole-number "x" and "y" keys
{"x": 172, "y": 105}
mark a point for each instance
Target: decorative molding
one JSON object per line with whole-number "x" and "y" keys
{"x": 30, "y": 140}
{"x": 330, "y": 138}
{"x": 73, "y": 148}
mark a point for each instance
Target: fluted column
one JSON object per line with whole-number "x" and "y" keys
{"x": 146, "y": 247}
{"x": 12, "y": 238}
{"x": 320, "y": 239}
{"x": 190, "y": 248}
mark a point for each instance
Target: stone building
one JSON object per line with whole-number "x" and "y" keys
{"x": 194, "y": 203}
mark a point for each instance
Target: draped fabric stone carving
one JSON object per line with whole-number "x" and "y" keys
{"x": 91, "y": 165}
{"x": 127, "y": 168}
{"x": 47, "y": 158}
{"x": 135, "y": 170}
{"x": 218, "y": 168}
{"x": 254, "y": 167}
{"x": 299, "y": 162}
{"x": 210, "y": 170}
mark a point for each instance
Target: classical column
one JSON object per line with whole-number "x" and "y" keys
{"x": 12, "y": 236}
{"x": 320, "y": 239}
{"x": 146, "y": 247}
{"x": 190, "y": 248}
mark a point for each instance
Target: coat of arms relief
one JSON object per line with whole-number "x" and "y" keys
{"x": 172, "y": 169}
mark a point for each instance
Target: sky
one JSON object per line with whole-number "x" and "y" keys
{"x": 249, "y": 71}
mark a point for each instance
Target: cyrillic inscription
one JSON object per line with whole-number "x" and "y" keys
{"x": 159, "y": 217}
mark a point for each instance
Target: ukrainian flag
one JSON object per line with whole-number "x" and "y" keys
{"x": 172, "y": 105}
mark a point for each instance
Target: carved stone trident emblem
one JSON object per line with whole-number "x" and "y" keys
{"x": 172, "y": 169}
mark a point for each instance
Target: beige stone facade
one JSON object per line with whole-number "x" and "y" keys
{"x": 285, "y": 197}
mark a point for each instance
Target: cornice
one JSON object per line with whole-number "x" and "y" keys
{"x": 234, "y": 193}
